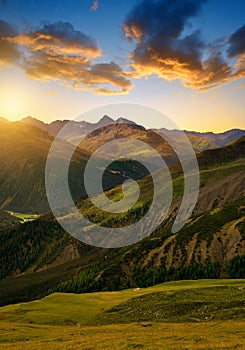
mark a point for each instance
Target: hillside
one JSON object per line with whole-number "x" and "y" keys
{"x": 211, "y": 245}
{"x": 24, "y": 151}
{"x": 172, "y": 315}
{"x": 130, "y": 131}
{"x": 25, "y": 146}
{"x": 179, "y": 301}
{"x": 7, "y": 220}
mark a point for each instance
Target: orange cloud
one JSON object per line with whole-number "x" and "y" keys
{"x": 59, "y": 52}
{"x": 51, "y": 43}
{"x": 161, "y": 49}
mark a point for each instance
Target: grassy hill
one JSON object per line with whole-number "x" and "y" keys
{"x": 203, "y": 314}
{"x": 182, "y": 301}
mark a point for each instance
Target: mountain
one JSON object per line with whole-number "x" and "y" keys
{"x": 25, "y": 146}
{"x": 198, "y": 143}
{"x": 205, "y": 140}
{"x": 210, "y": 245}
{"x": 129, "y": 132}
{"x": 220, "y": 139}
{"x": 79, "y": 129}
{"x": 74, "y": 129}
{"x": 24, "y": 151}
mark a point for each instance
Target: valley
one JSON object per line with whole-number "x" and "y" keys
{"x": 164, "y": 285}
{"x": 122, "y": 175}
{"x": 209, "y": 246}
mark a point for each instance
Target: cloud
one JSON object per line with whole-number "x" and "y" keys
{"x": 51, "y": 93}
{"x": 237, "y": 42}
{"x": 157, "y": 29}
{"x": 95, "y": 5}
{"x": 9, "y": 53}
{"x": 59, "y": 39}
{"x": 59, "y": 52}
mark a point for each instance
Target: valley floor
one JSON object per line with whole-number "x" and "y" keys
{"x": 210, "y": 335}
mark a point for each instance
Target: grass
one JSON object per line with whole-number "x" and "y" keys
{"x": 92, "y": 308}
{"x": 23, "y": 216}
{"x": 70, "y": 321}
{"x": 206, "y": 336}
{"x": 186, "y": 305}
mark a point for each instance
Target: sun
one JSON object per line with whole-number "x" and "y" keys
{"x": 13, "y": 104}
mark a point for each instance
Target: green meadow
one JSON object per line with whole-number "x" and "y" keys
{"x": 23, "y": 216}
{"x": 203, "y": 314}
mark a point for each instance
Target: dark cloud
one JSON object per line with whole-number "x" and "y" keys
{"x": 160, "y": 19}
{"x": 9, "y": 53}
{"x": 112, "y": 74}
{"x": 60, "y": 37}
{"x": 157, "y": 27}
{"x": 237, "y": 42}
{"x": 59, "y": 52}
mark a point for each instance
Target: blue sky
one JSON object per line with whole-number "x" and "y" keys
{"x": 201, "y": 88}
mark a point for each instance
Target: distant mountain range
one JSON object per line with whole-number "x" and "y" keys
{"x": 76, "y": 128}
{"x": 82, "y": 128}
{"x": 220, "y": 139}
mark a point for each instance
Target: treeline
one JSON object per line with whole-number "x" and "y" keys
{"x": 29, "y": 245}
{"x": 102, "y": 278}
{"x": 148, "y": 277}
{"x": 236, "y": 267}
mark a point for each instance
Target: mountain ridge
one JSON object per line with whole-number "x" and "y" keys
{"x": 215, "y": 139}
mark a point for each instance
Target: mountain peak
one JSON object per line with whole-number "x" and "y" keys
{"x": 106, "y": 118}
{"x": 104, "y": 121}
{"x": 34, "y": 121}
{"x": 124, "y": 120}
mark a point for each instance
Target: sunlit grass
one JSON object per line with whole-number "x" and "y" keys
{"x": 23, "y": 216}
{"x": 70, "y": 309}
{"x": 212, "y": 335}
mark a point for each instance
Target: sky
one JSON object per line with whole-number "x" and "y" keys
{"x": 185, "y": 58}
